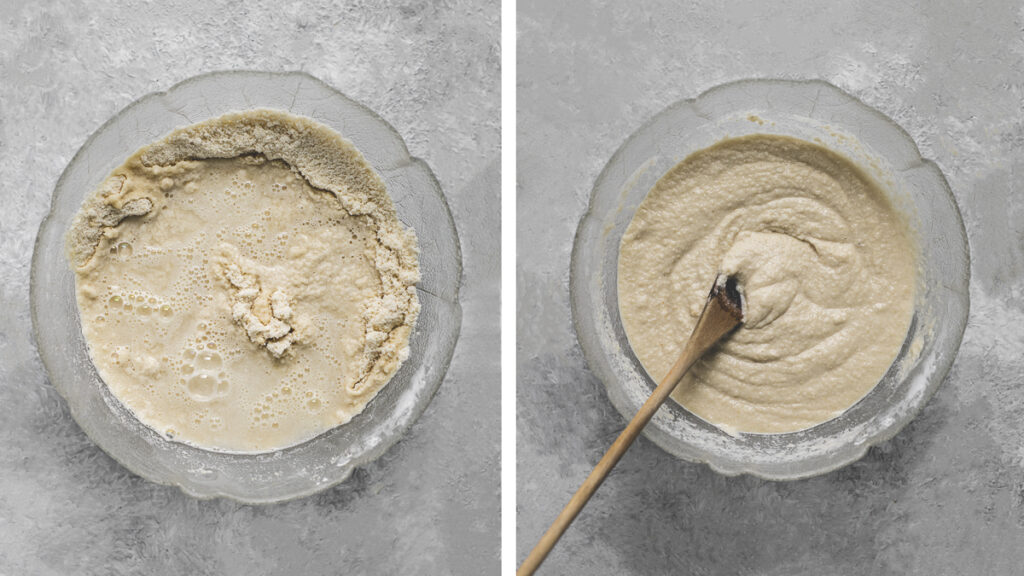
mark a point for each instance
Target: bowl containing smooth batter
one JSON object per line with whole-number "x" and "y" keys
{"x": 266, "y": 298}
{"x": 850, "y": 244}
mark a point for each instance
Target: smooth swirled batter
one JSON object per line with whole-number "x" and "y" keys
{"x": 826, "y": 264}
{"x": 244, "y": 284}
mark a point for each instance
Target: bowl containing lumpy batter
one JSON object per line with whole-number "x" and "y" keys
{"x": 853, "y": 256}
{"x": 246, "y": 287}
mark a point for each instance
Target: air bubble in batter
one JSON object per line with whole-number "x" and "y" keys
{"x": 202, "y": 387}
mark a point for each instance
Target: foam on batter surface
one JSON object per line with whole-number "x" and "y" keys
{"x": 827, "y": 266}
{"x": 244, "y": 284}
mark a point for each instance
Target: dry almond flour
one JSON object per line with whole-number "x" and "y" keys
{"x": 244, "y": 284}
{"x": 826, "y": 264}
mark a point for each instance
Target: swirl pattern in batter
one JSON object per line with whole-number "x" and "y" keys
{"x": 826, "y": 264}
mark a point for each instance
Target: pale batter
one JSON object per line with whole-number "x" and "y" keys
{"x": 244, "y": 284}
{"x": 826, "y": 264}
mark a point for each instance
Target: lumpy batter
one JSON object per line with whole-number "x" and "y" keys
{"x": 244, "y": 284}
{"x": 825, "y": 262}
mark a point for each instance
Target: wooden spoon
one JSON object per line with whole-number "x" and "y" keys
{"x": 722, "y": 312}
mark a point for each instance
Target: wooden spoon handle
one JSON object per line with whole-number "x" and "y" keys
{"x": 719, "y": 317}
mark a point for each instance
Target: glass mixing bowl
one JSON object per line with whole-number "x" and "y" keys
{"x": 814, "y": 111}
{"x": 329, "y": 458}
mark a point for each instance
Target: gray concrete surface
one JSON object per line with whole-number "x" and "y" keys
{"x": 946, "y": 496}
{"x": 430, "y": 505}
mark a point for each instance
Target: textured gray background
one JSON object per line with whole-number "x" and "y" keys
{"x": 430, "y": 505}
{"x": 946, "y": 496}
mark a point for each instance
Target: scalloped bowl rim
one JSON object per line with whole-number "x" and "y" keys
{"x": 208, "y": 492}
{"x": 583, "y": 317}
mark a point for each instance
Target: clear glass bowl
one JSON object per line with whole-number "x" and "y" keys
{"x": 813, "y": 111}
{"x": 329, "y": 458}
